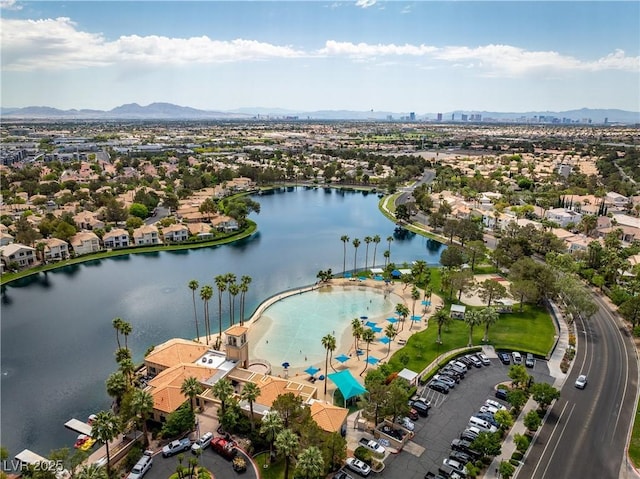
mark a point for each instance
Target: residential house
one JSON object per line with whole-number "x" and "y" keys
{"x": 22, "y": 255}
{"x": 175, "y": 233}
{"x": 224, "y": 223}
{"x": 88, "y": 220}
{"x": 616, "y": 199}
{"x": 5, "y": 239}
{"x": 85, "y": 242}
{"x": 116, "y": 238}
{"x": 55, "y": 249}
{"x": 146, "y": 234}
{"x": 563, "y": 217}
{"x": 201, "y": 230}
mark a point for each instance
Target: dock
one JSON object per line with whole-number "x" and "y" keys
{"x": 30, "y": 457}
{"x": 78, "y": 426}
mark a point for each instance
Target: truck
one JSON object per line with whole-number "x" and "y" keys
{"x": 176, "y": 446}
{"x": 372, "y": 445}
{"x": 225, "y": 447}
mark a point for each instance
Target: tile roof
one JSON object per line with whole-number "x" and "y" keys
{"x": 329, "y": 417}
{"x": 176, "y": 351}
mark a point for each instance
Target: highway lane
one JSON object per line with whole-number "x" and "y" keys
{"x": 586, "y": 432}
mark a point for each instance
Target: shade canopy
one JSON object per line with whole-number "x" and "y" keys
{"x": 426, "y": 303}
{"x": 372, "y": 360}
{"x": 311, "y": 370}
{"x": 392, "y": 320}
{"x": 376, "y": 329}
{"x": 385, "y": 340}
{"x": 342, "y": 358}
{"x": 370, "y": 324}
{"x": 347, "y": 384}
{"x": 416, "y": 318}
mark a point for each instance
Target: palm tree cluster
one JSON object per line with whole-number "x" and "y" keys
{"x": 356, "y": 244}
{"x": 223, "y": 282}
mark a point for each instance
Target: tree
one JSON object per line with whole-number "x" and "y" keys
{"x": 367, "y": 240}
{"x": 489, "y": 317}
{"x": 206, "y": 293}
{"x": 105, "y": 427}
{"x": 287, "y": 444}
{"x": 403, "y": 311}
{"x": 329, "y": 344}
{"x": 441, "y": 318}
{"x": 356, "y": 245}
{"x": 390, "y": 332}
{"x": 389, "y": 241}
{"x": 245, "y": 281}
{"x": 488, "y": 443}
{"x": 271, "y": 425}
{"x": 117, "y": 324}
{"x": 376, "y": 240}
{"x": 517, "y": 398}
{"x": 452, "y": 257}
{"x": 126, "y": 329}
{"x": 490, "y": 290}
{"x": 231, "y": 292}
{"x": 234, "y": 290}
{"x": 142, "y": 406}
{"x": 208, "y": 207}
{"x": 544, "y": 394}
{"x": 462, "y": 281}
{"x": 523, "y": 290}
{"x": 532, "y": 420}
{"x": 506, "y": 469}
{"x": 250, "y": 392}
{"x": 311, "y": 463}
{"x": 117, "y": 386}
{"x": 193, "y": 286}
{"x": 221, "y": 284}
{"x": 519, "y": 376}
{"x": 630, "y": 309}
{"x": 504, "y": 419}
{"x": 345, "y": 240}
{"x": 473, "y": 318}
{"x": 415, "y": 296}
{"x": 356, "y": 330}
{"x": 139, "y": 210}
{"x": 223, "y": 391}
{"x": 476, "y": 250}
{"x": 191, "y": 387}
{"x": 368, "y": 336}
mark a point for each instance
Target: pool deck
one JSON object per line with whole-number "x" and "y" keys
{"x": 400, "y": 293}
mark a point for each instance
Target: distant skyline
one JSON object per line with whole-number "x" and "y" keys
{"x": 421, "y": 56}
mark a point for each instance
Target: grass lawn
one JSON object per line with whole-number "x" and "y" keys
{"x": 634, "y": 444}
{"x": 274, "y": 470}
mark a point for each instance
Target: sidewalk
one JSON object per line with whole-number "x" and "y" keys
{"x": 508, "y": 446}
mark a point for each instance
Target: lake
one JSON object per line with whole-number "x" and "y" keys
{"x": 57, "y": 340}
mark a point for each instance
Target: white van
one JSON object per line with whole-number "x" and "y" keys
{"x": 142, "y": 466}
{"x": 481, "y": 424}
{"x": 517, "y": 357}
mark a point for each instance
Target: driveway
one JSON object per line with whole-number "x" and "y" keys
{"x": 221, "y": 468}
{"x": 448, "y": 417}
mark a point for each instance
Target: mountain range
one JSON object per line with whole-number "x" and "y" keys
{"x": 169, "y": 111}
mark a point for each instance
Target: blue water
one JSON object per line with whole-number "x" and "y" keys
{"x": 57, "y": 342}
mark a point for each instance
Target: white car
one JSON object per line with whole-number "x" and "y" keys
{"x": 495, "y": 404}
{"x": 406, "y": 423}
{"x": 484, "y": 359}
{"x": 358, "y": 466}
{"x": 372, "y": 445}
{"x": 581, "y": 382}
{"x": 455, "y": 465}
{"x": 202, "y": 443}
{"x": 489, "y": 409}
{"x": 142, "y": 466}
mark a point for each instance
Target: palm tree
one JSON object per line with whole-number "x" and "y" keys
{"x": 376, "y": 240}
{"x": 389, "y": 240}
{"x": 91, "y": 471}
{"x": 223, "y": 391}
{"x": 287, "y": 444}
{"x": 117, "y": 323}
{"x": 245, "y": 281}
{"x": 311, "y": 463}
{"x": 250, "y": 392}
{"x": 234, "y": 290}
{"x": 206, "y": 293}
{"x": 441, "y": 318}
{"x": 390, "y": 333}
{"x": 117, "y": 386}
{"x": 387, "y": 256}
{"x": 415, "y": 296}
{"x": 230, "y": 278}
{"x": 126, "y": 329}
{"x": 367, "y": 240}
{"x": 367, "y": 336}
{"x": 221, "y": 284}
{"x": 105, "y": 427}
{"x": 345, "y": 240}
{"x": 328, "y": 343}
{"x": 128, "y": 369}
{"x": 421, "y": 273}
{"x": 472, "y": 318}
{"x": 190, "y": 388}
{"x": 356, "y": 330}
{"x": 403, "y": 312}
{"x": 193, "y": 286}
{"x": 356, "y": 244}
{"x": 271, "y": 425}
{"x": 142, "y": 406}
{"x": 122, "y": 354}
{"x": 489, "y": 317}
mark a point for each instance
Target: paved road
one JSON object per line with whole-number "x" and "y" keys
{"x": 587, "y": 430}
{"x": 221, "y": 468}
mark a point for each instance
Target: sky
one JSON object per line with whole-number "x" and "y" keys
{"x": 396, "y": 56}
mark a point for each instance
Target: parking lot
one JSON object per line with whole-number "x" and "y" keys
{"x": 448, "y": 417}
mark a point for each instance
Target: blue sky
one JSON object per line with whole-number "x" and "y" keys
{"x": 422, "y": 56}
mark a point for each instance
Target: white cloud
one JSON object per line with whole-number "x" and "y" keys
{"x": 367, "y": 50}
{"x": 365, "y": 3}
{"x": 57, "y": 43}
{"x": 10, "y": 5}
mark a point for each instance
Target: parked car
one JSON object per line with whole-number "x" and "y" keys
{"x": 487, "y": 417}
{"x": 461, "y": 457}
{"x": 431, "y": 475}
{"x": 413, "y": 414}
{"x": 202, "y": 443}
{"x": 517, "y": 357}
{"x": 406, "y": 423}
{"x": 225, "y": 447}
{"x": 458, "y": 367}
{"x": 421, "y": 407}
{"x": 142, "y": 466}
{"x": 439, "y": 386}
{"x": 445, "y": 379}
{"x": 464, "y": 445}
{"x": 501, "y": 394}
{"x": 504, "y": 358}
{"x": 465, "y": 360}
{"x": 470, "y": 433}
{"x": 461, "y": 365}
{"x": 455, "y": 465}
{"x": 581, "y": 382}
{"x": 372, "y": 445}
{"x": 496, "y": 404}
{"x": 449, "y": 371}
{"x": 474, "y": 360}
{"x": 175, "y": 447}
{"x": 484, "y": 359}
{"x": 341, "y": 474}
{"x": 358, "y": 466}
{"x": 529, "y": 361}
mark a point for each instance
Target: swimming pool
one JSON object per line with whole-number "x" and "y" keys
{"x": 291, "y": 329}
